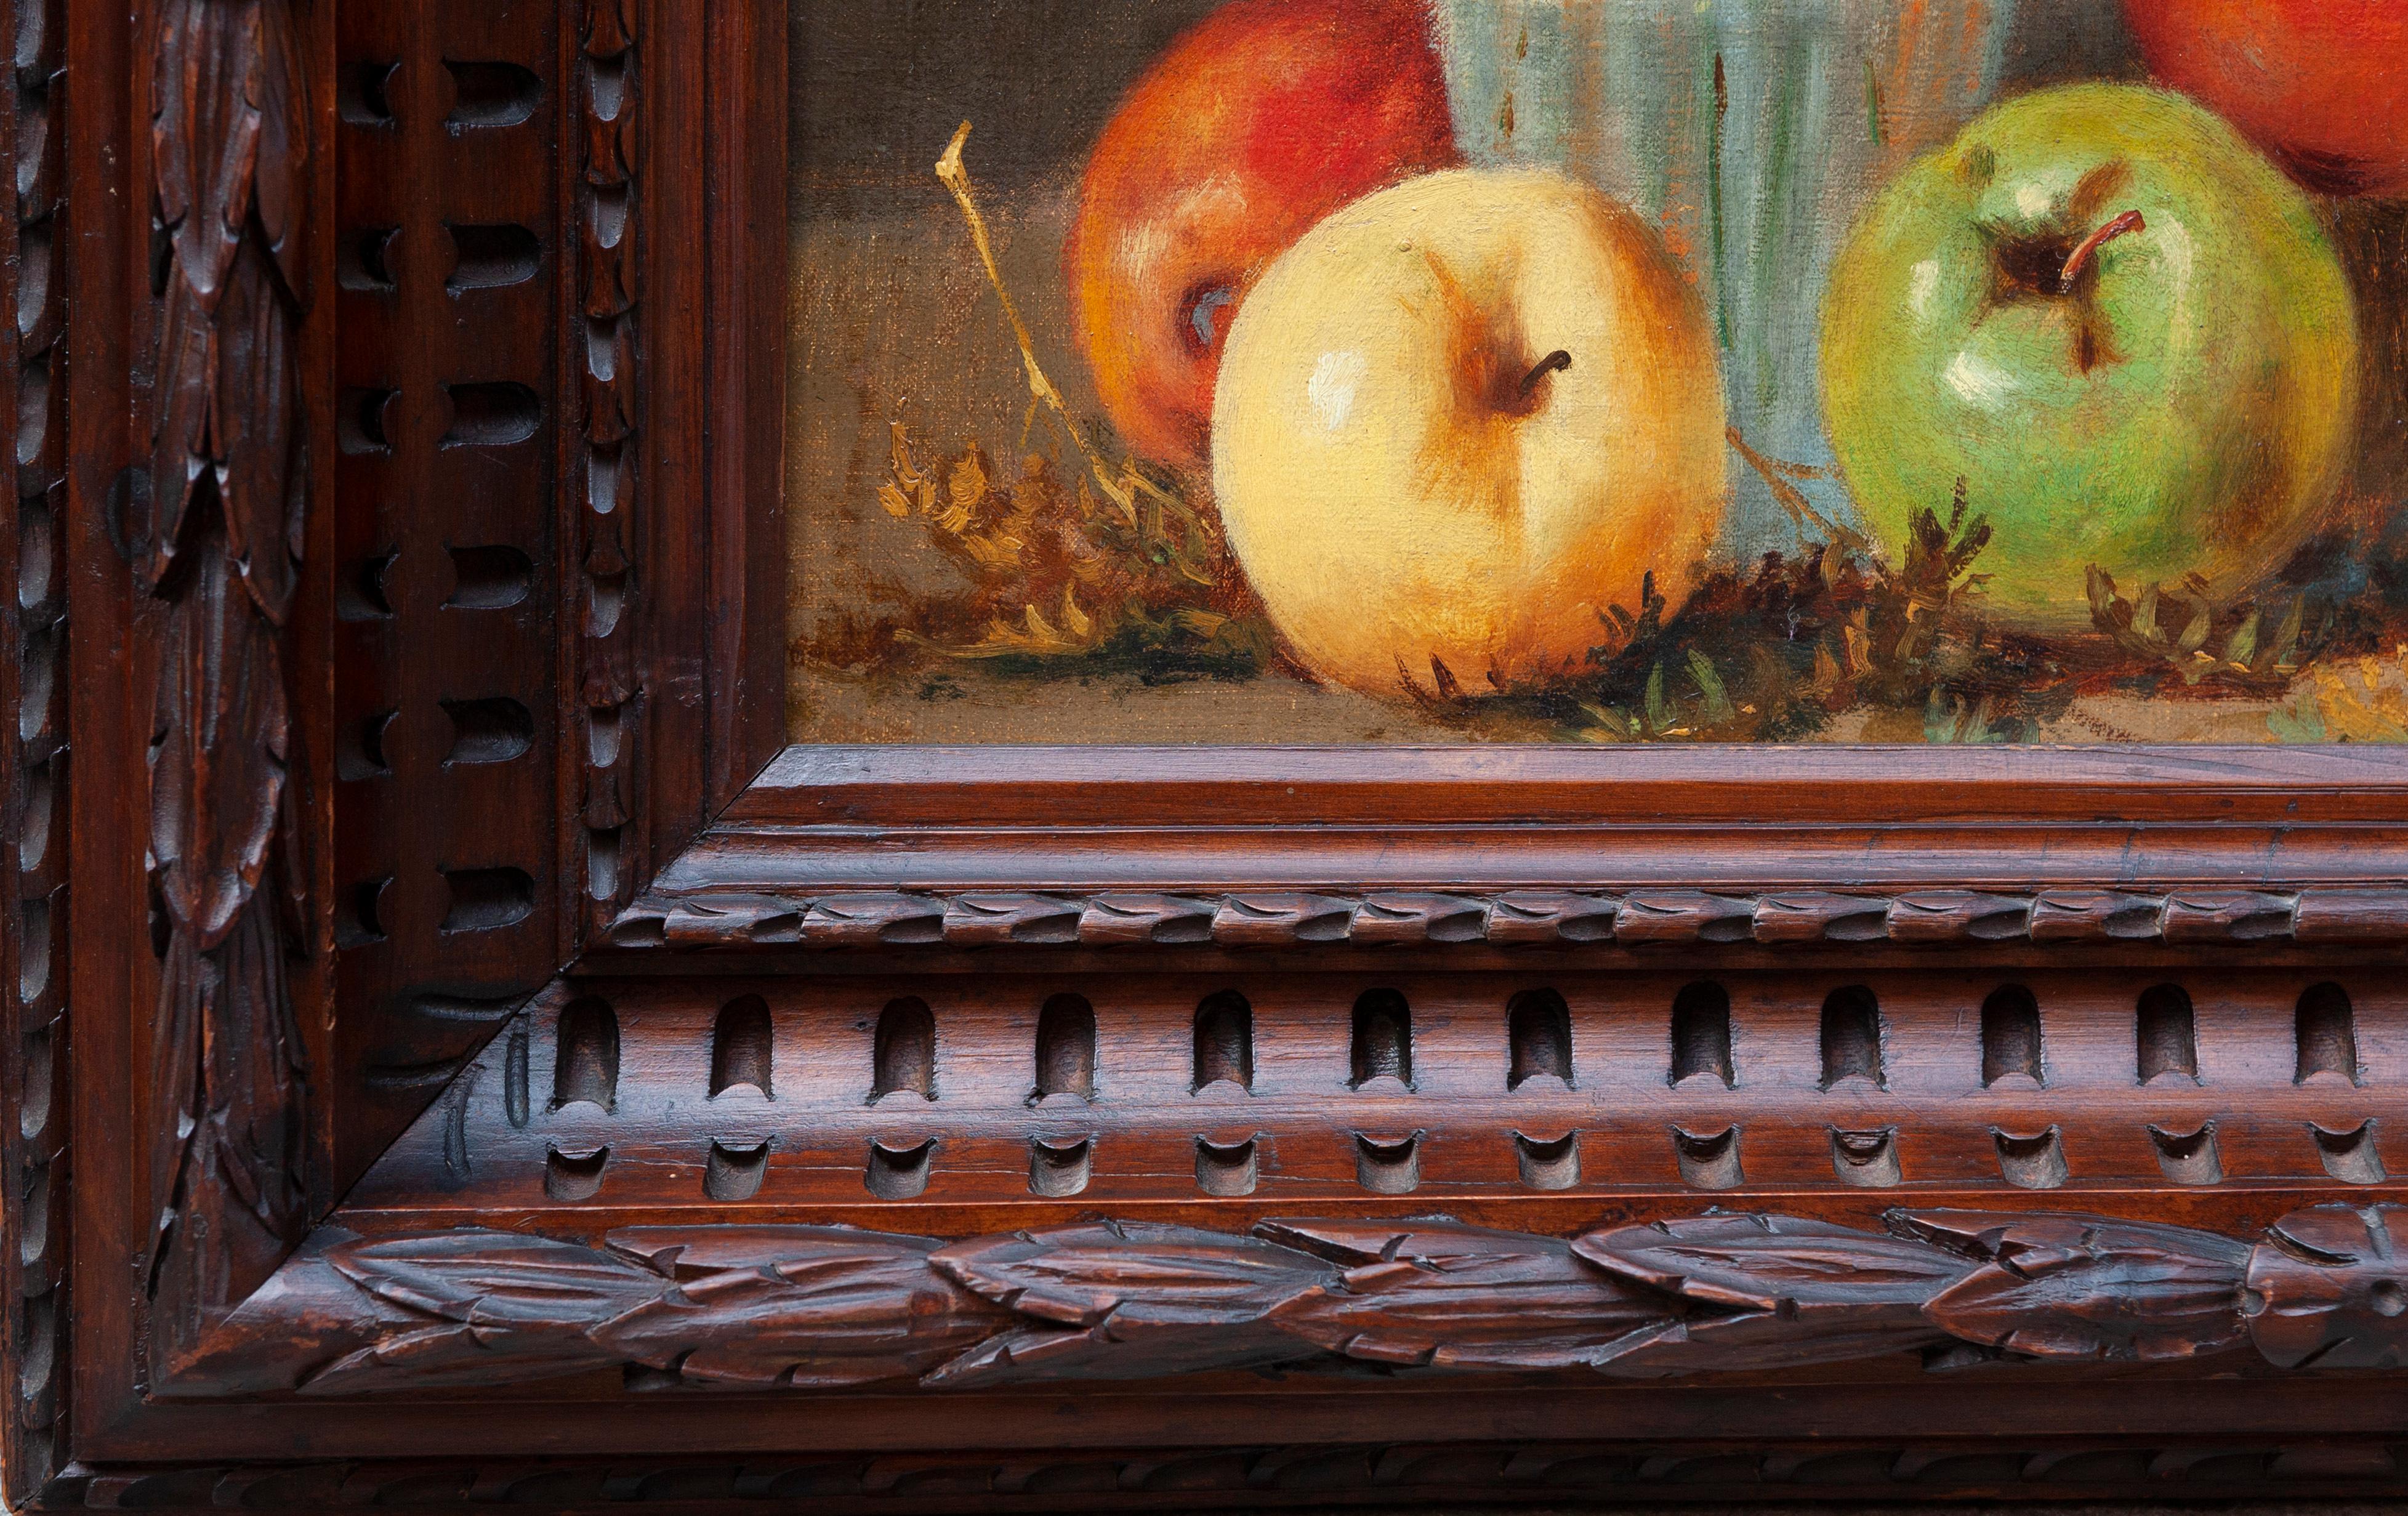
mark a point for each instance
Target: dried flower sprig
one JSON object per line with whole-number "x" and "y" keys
{"x": 1054, "y": 572}
{"x": 1097, "y": 567}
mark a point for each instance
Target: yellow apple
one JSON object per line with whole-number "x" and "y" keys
{"x": 1460, "y": 418}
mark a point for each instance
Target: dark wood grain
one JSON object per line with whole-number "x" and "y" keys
{"x": 98, "y": 1373}
{"x": 746, "y": 210}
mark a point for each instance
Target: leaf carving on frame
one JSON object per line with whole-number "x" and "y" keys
{"x": 258, "y": 441}
{"x": 227, "y": 1052}
{"x": 1440, "y": 1295}
{"x": 2329, "y": 1289}
{"x": 1132, "y": 1300}
{"x": 229, "y": 150}
{"x": 497, "y": 1279}
{"x": 1132, "y": 1274}
{"x": 1775, "y": 1291}
{"x": 802, "y": 1307}
{"x": 217, "y": 754}
{"x": 726, "y": 917}
{"x": 795, "y": 1306}
{"x": 510, "y": 1308}
{"x": 230, "y": 141}
{"x": 2084, "y": 1287}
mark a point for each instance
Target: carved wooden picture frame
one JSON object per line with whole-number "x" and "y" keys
{"x": 459, "y": 1056}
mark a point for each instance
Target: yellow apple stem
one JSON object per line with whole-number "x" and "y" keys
{"x": 1123, "y": 487}
{"x": 1553, "y": 362}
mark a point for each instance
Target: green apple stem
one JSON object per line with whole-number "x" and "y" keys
{"x": 1553, "y": 362}
{"x": 2131, "y": 220}
{"x": 1121, "y": 488}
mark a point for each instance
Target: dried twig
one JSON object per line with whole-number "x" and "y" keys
{"x": 1124, "y": 487}
{"x": 1778, "y": 477}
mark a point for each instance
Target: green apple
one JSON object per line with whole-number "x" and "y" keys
{"x": 2121, "y": 326}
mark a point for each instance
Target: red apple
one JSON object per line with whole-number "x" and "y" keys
{"x": 2321, "y": 84}
{"x": 1252, "y": 126}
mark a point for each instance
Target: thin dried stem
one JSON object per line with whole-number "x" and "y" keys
{"x": 955, "y": 175}
{"x": 1777, "y": 476}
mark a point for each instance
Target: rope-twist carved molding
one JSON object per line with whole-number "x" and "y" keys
{"x": 605, "y": 528}
{"x": 35, "y": 758}
{"x": 1520, "y": 917}
{"x": 829, "y": 1307}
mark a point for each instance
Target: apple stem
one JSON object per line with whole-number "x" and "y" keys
{"x": 2131, "y": 220}
{"x": 1553, "y": 362}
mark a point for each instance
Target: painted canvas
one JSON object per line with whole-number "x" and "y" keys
{"x": 2027, "y": 371}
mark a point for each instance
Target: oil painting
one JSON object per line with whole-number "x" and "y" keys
{"x": 1608, "y": 371}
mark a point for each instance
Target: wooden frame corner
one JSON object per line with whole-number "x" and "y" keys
{"x": 497, "y": 1053}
